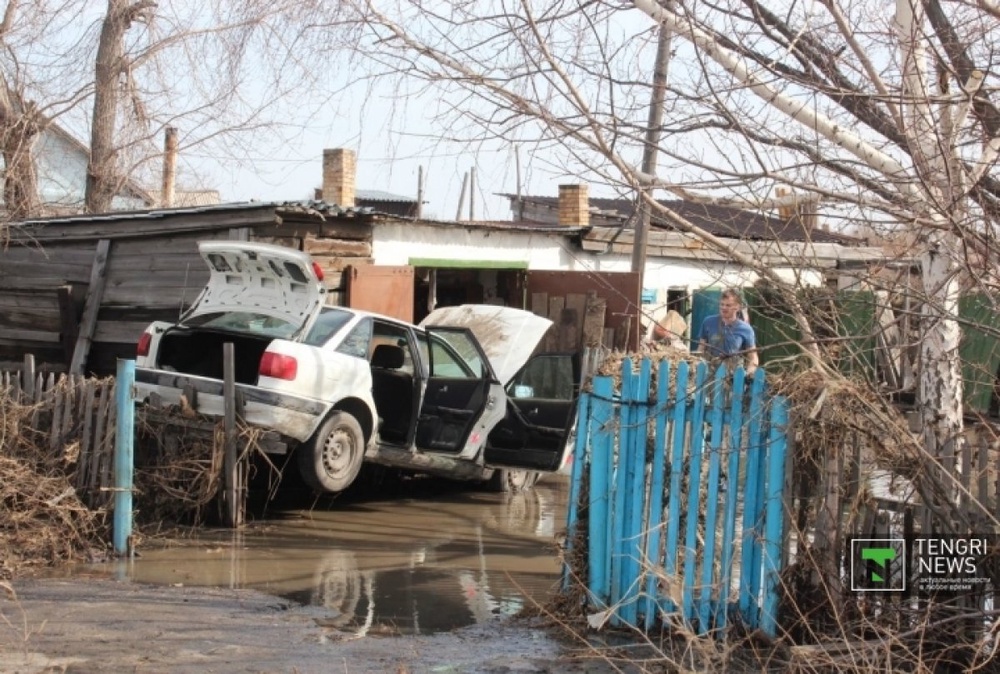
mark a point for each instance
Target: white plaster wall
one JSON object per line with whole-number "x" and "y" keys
{"x": 397, "y": 243}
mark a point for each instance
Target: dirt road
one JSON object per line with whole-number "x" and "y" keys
{"x": 91, "y": 625}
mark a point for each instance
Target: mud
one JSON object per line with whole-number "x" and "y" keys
{"x": 424, "y": 582}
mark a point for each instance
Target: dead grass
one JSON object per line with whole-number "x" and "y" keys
{"x": 43, "y": 522}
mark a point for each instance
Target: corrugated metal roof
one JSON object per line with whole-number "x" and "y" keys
{"x": 717, "y": 220}
{"x": 319, "y": 207}
{"x": 381, "y": 195}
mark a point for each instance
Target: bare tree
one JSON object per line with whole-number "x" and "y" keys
{"x": 225, "y": 75}
{"x": 110, "y": 67}
{"x": 884, "y": 115}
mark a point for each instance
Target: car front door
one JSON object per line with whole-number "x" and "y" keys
{"x": 462, "y": 399}
{"x": 541, "y": 402}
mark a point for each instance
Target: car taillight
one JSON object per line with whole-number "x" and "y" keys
{"x": 142, "y": 349}
{"x": 278, "y": 365}
{"x": 318, "y": 271}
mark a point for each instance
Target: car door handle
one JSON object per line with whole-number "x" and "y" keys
{"x": 533, "y": 412}
{"x": 443, "y": 389}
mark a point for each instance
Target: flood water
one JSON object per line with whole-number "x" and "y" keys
{"x": 431, "y": 558}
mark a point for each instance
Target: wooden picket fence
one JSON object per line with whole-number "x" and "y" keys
{"x": 74, "y": 416}
{"x": 665, "y": 539}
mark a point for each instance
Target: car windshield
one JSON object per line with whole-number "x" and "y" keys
{"x": 248, "y": 322}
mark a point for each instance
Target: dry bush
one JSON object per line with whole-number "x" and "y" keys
{"x": 42, "y": 519}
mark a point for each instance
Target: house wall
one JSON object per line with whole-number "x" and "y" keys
{"x": 398, "y": 243}
{"x": 62, "y": 174}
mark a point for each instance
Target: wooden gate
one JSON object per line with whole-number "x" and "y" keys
{"x": 683, "y": 510}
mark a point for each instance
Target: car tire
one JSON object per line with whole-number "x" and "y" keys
{"x": 509, "y": 480}
{"x": 331, "y": 460}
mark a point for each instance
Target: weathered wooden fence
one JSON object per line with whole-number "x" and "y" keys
{"x": 75, "y": 418}
{"x": 667, "y": 540}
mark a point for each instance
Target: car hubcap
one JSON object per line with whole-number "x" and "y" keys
{"x": 338, "y": 451}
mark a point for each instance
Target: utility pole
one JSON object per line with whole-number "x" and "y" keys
{"x": 652, "y": 144}
{"x": 420, "y": 192}
{"x": 169, "y": 167}
{"x": 461, "y": 197}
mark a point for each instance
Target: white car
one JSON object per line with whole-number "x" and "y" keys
{"x": 341, "y": 386}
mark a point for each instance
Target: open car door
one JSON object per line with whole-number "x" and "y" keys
{"x": 541, "y": 403}
{"x": 463, "y": 400}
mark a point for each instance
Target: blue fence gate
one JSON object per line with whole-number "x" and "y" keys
{"x": 683, "y": 478}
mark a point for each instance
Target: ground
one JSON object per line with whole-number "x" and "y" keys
{"x": 84, "y": 625}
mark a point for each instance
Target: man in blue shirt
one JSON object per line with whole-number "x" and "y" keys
{"x": 727, "y": 337}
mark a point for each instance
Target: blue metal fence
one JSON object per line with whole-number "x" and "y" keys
{"x": 683, "y": 512}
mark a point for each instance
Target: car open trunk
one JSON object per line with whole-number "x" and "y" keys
{"x": 199, "y": 352}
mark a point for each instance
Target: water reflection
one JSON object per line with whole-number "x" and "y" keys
{"x": 407, "y": 565}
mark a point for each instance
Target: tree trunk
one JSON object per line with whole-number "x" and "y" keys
{"x": 19, "y": 127}
{"x": 102, "y": 181}
{"x": 940, "y": 366}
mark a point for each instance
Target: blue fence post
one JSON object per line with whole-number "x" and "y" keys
{"x": 679, "y": 415}
{"x": 619, "y": 543}
{"x": 750, "y": 557}
{"x": 694, "y": 478}
{"x": 601, "y": 433}
{"x": 654, "y": 514}
{"x": 635, "y": 492}
{"x": 735, "y": 488}
{"x": 712, "y": 500}
{"x": 774, "y": 513}
{"x": 576, "y": 479}
{"x": 124, "y": 453}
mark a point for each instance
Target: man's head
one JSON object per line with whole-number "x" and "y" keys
{"x": 730, "y": 304}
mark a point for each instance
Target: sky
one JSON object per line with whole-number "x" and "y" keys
{"x": 392, "y": 139}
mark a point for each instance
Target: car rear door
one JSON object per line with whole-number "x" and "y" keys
{"x": 462, "y": 398}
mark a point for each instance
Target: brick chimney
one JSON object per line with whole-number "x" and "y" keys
{"x": 574, "y": 206}
{"x": 339, "y": 167}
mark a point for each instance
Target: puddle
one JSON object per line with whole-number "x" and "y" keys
{"x": 415, "y": 565}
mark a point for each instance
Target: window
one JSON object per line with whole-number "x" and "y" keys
{"x": 357, "y": 340}
{"x": 443, "y": 359}
{"x": 544, "y": 376}
{"x": 248, "y": 322}
{"x": 396, "y": 335}
{"x": 327, "y": 324}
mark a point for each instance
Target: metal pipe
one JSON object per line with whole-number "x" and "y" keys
{"x": 124, "y": 454}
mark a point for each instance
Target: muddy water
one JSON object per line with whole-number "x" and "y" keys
{"x": 432, "y": 559}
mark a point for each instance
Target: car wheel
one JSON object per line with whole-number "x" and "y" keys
{"x": 509, "y": 480}
{"x": 331, "y": 460}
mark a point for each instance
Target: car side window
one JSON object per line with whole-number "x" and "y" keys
{"x": 327, "y": 324}
{"x": 548, "y": 376}
{"x": 395, "y": 335}
{"x": 444, "y": 359}
{"x": 357, "y": 341}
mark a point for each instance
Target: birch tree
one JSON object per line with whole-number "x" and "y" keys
{"x": 881, "y": 112}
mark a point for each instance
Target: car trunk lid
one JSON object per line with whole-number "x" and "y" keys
{"x": 271, "y": 280}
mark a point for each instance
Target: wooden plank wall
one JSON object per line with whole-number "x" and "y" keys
{"x": 150, "y": 276}
{"x": 578, "y": 322}
{"x": 334, "y": 245}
